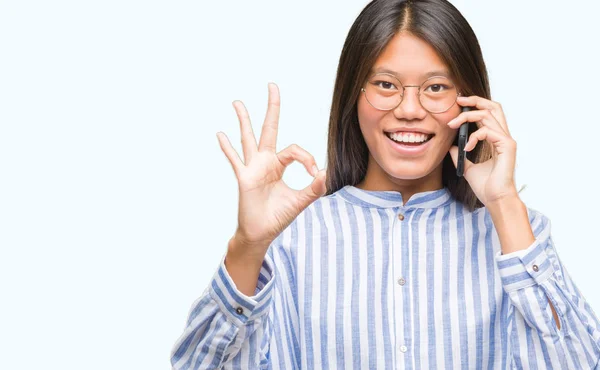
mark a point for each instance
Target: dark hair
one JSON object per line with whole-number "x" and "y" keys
{"x": 442, "y": 26}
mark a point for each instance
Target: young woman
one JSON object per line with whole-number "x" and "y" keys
{"x": 389, "y": 259}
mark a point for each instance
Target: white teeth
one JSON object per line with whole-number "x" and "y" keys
{"x": 409, "y": 137}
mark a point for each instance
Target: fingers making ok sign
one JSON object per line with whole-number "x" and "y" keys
{"x": 266, "y": 204}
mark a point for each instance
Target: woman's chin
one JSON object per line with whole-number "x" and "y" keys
{"x": 409, "y": 171}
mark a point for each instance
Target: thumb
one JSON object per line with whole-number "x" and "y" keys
{"x": 314, "y": 191}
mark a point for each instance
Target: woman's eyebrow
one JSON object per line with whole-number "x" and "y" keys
{"x": 425, "y": 75}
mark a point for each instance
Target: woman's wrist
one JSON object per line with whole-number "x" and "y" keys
{"x": 248, "y": 253}
{"x": 243, "y": 263}
{"x": 511, "y": 221}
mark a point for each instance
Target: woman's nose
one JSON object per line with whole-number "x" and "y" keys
{"x": 410, "y": 107}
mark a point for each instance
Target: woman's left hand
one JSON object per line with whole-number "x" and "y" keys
{"x": 494, "y": 179}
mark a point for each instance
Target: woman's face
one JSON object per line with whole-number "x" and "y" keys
{"x": 411, "y": 58}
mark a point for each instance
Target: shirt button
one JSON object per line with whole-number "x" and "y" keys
{"x": 401, "y": 217}
{"x": 535, "y": 268}
{"x": 239, "y": 310}
{"x": 401, "y": 281}
{"x": 403, "y": 348}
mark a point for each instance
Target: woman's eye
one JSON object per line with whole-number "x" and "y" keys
{"x": 384, "y": 84}
{"x": 437, "y": 88}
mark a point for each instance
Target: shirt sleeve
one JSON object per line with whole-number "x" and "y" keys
{"x": 531, "y": 278}
{"x": 224, "y": 321}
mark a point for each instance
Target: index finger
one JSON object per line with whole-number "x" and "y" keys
{"x": 268, "y": 136}
{"x": 481, "y": 103}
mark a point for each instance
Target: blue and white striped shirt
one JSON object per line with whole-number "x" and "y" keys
{"x": 360, "y": 280}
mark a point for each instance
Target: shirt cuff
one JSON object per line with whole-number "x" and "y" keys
{"x": 524, "y": 268}
{"x": 236, "y": 305}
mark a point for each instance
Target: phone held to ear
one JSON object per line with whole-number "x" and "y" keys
{"x": 463, "y": 133}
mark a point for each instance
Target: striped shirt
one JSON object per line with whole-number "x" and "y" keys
{"x": 360, "y": 280}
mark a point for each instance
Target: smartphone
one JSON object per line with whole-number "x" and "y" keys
{"x": 462, "y": 137}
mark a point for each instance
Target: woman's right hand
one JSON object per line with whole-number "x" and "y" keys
{"x": 266, "y": 204}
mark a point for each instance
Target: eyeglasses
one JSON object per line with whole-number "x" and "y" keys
{"x": 385, "y": 92}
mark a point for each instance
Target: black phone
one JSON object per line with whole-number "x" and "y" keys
{"x": 462, "y": 137}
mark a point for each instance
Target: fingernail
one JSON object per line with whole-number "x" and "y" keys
{"x": 315, "y": 170}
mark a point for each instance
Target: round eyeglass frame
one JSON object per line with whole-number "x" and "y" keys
{"x": 404, "y": 90}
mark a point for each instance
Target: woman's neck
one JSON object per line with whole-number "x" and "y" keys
{"x": 377, "y": 179}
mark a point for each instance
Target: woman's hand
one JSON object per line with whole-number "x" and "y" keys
{"x": 494, "y": 179}
{"x": 266, "y": 204}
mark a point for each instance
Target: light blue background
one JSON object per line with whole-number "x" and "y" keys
{"x": 116, "y": 202}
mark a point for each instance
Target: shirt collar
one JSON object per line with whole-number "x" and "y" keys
{"x": 391, "y": 198}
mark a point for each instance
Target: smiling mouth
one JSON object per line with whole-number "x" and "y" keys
{"x": 410, "y": 140}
